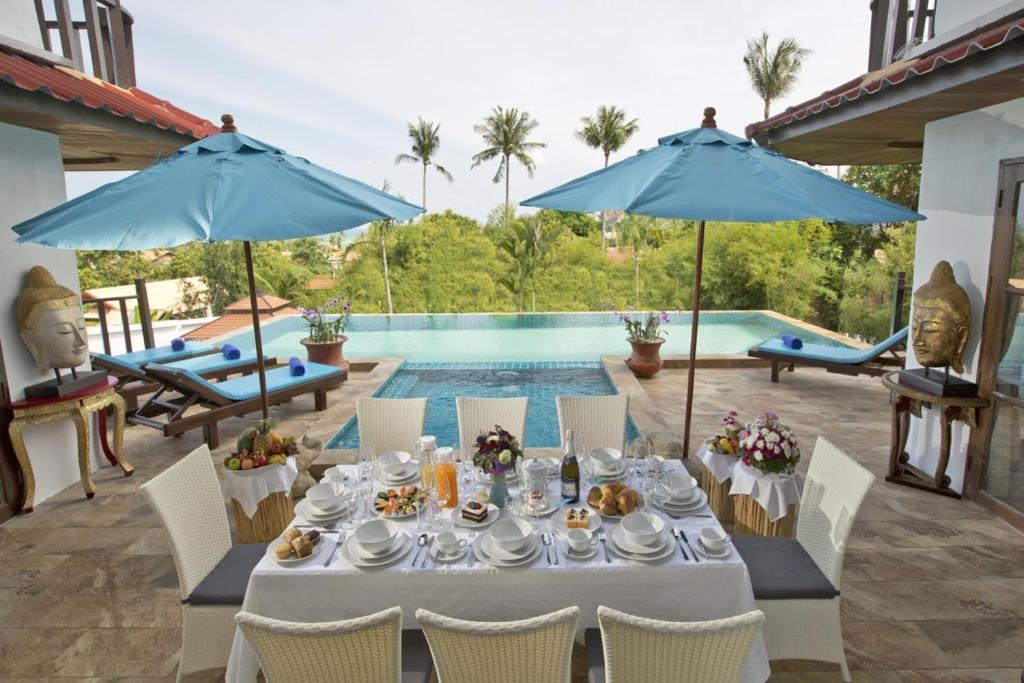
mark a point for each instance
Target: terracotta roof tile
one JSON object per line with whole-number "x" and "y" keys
{"x": 229, "y": 322}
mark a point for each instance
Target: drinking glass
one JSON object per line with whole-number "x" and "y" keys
{"x": 367, "y": 462}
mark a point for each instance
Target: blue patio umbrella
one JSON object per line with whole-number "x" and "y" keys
{"x": 227, "y": 186}
{"x": 706, "y": 174}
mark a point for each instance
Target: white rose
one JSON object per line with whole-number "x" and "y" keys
{"x": 760, "y": 443}
{"x": 505, "y": 457}
{"x": 758, "y": 455}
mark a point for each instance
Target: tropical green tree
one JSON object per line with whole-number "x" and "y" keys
{"x": 528, "y": 243}
{"x": 608, "y": 131}
{"x": 379, "y": 233}
{"x": 506, "y": 135}
{"x": 426, "y": 140}
{"x": 639, "y": 233}
{"x": 898, "y": 183}
{"x": 773, "y": 73}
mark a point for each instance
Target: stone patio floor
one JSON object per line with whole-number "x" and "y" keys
{"x": 933, "y": 588}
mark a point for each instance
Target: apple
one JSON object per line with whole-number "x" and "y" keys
{"x": 247, "y": 464}
{"x": 259, "y": 461}
{"x": 234, "y": 463}
{"x": 279, "y": 459}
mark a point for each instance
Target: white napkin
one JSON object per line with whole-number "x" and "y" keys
{"x": 775, "y": 492}
{"x": 720, "y": 464}
{"x": 250, "y": 489}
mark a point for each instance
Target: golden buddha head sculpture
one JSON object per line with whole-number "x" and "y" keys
{"x": 941, "y": 321}
{"x": 51, "y": 322}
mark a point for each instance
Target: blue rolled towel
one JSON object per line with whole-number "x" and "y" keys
{"x": 792, "y": 341}
{"x": 177, "y": 344}
{"x": 231, "y": 352}
{"x": 295, "y": 367}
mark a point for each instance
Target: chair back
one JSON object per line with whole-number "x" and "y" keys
{"x": 187, "y": 383}
{"x": 640, "y": 649}
{"x": 391, "y": 424}
{"x": 833, "y": 491}
{"x": 478, "y": 415}
{"x": 538, "y": 650}
{"x": 187, "y": 499}
{"x": 599, "y": 421}
{"x": 367, "y": 649}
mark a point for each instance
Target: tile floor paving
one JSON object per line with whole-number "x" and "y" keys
{"x": 933, "y": 588}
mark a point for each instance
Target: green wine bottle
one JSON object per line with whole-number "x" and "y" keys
{"x": 570, "y": 471}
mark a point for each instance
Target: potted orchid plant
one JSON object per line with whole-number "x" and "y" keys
{"x": 769, "y": 446}
{"x": 325, "y": 332}
{"x": 496, "y": 453}
{"x": 645, "y": 334}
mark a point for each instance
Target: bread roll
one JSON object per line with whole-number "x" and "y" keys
{"x": 302, "y": 546}
{"x": 291, "y": 534}
{"x": 283, "y": 551}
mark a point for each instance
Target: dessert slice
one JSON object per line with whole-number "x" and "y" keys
{"x": 474, "y": 511}
{"x": 583, "y": 521}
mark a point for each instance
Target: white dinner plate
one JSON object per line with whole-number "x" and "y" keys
{"x": 554, "y": 502}
{"x": 573, "y": 555}
{"x": 407, "y": 476}
{"x": 493, "y": 514}
{"x": 671, "y": 506}
{"x": 623, "y": 541}
{"x": 450, "y": 557}
{"x": 495, "y": 562}
{"x": 351, "y": 551}
{"x": 488, "y": 545}
{"x": 666, "y": 551}
{"x": 306, "y": 511}
{"x": 336, "y": 474}
{"x": 691, "y": 498}
{"x": 594, "y": 520}
{"x": 721, "y": 554}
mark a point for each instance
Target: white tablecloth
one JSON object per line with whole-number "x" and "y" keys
{"x": 720, "y": 464}
{"x": 252, "y": 486}
{"x": 676, "y": 589}
{"x": 774, "y": 492}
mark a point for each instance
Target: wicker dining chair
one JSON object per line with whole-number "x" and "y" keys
{"x": 391, "y": 424}
{"x": 212, "y": 573}
{"x": 370, "y": 649}
{"x": 600, "y": 421}
{"x": 478, "y": 415}
{"x": 796, "y": 580}
{"x": 630, "y": 648}
{"x": 538, "y": 650}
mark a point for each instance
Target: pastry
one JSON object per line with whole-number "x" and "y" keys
{"x": 312, "y": 536}
{"x": 594, "y": 497}
{"x": 474, "y": 511}
{"x": 283, "y": 551}
{"x": 627, "y": 501}
{"x": 584, "y": 519}
{"x": 291, "y": 534}
{"x": 302, "y": 546}
{"x": 577, "y": 518}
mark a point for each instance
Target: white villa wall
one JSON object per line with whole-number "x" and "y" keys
{"x": 18, "y": 21}
{"x": 33, "y": 181}
{"x": 959, "y": 184}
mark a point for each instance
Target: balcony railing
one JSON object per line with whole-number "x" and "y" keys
{"x": 897, "y": 26}
{"x": 107, "y": 30}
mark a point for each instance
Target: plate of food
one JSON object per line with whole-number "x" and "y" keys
{"x": 294, "y": 546}
{"x": 614, "y": 499}
{"x": 396, "y": 503}
{"x": 577, "y": 518}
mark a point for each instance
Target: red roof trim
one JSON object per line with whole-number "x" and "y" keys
{"x": 858, "y": 87}
{"x": 69, "y": 85}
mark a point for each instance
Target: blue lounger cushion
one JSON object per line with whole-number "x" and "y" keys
{"x": 834, "y": 354}
{"x": 113, "y": 361}
{"x": 161, "y": 354}
{"x": 212, "y": 362}
{"x": 245, "y": 388}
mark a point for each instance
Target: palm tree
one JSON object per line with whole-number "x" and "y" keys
{"x": 529, "y": 244}
{"x": 505, "y": 132}
{"x": 378, "y": 233}
{"x": 425, "y": 143}
{"x": 608, "y": 131}
{"x": 638, "y": 233}
{"x": 773, "y": 73}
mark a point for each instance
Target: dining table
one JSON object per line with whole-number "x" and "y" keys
{"x": 693, "y": 587}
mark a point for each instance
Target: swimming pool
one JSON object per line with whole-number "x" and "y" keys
{"x": 484, "y": 337}
{"x": 440, "y": 383}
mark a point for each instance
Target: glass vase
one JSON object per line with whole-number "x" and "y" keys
{"x": 499, "y": 489}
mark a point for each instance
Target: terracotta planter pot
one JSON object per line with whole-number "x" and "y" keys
{"x": 646, "y": 359}
{"x": 326, "y": 353}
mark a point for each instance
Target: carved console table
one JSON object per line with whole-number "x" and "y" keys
{"x": 907, "y": 401}
{"x": 75, "y": 407}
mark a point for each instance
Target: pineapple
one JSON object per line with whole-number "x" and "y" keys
{"x": 262, "y": 441}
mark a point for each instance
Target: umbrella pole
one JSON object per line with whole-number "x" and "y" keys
{"x": 692, "y": 365}
{"x": 264, "y": 404}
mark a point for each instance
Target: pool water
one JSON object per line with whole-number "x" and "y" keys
{"x": 440, "y": 383}
{"x": 483, "y": 337}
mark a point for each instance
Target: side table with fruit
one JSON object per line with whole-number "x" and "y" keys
{"x": 719, "y": 455}
{"x": 258, "y": 478}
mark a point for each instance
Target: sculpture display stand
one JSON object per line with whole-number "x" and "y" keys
{"x": 908, "y": 401}
{"x": 59, "y": 387}
{"x": 938, "y": 383}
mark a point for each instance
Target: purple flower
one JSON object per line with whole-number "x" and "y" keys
{"x": 664, "y": 317}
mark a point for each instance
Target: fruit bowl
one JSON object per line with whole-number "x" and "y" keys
{"x": 259, "y": 447}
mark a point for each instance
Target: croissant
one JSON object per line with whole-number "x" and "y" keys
{"x": 607, "y": 496}
{"x": 594, "y": 497}
{"x": 610, "y": 508}
{"x": 627, "y": 501}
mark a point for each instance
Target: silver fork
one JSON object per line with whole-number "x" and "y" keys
{"x": 679, "y": 542}
{"x": 334, "y": 551}
{"x": 604, "y": 544}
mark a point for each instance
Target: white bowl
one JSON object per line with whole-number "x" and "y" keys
{"x": 714, "y": 538}
{"x": 511, "y": 534}
{"x": 323, "y": 497}
{"x": 393, "y": 462}
{"x": 377, "y": 535}
{"x": 606, "y": 460}
{"x": 677, "y": 485}
{"x": 643, "y": 527}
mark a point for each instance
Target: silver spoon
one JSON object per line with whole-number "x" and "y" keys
{"x": 421, "y": 541}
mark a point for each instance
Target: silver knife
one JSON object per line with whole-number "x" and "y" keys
{"x": 604, "y": 544}
{"x": 694, "y": 552}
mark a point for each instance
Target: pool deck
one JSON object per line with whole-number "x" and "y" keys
{"x": 933, "y": 588}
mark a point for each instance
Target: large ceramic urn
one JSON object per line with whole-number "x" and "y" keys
{"x": 326, "y": 353}
{"x": 645, "y": 360}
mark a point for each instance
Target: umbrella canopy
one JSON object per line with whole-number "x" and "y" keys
{"x": 224, "y": 187}
{"x": 706, "y": 174}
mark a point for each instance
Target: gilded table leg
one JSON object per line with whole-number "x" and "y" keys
{"x": 79, "y": 417}
{"x": 119, "y": 411}
{"x": 946, "y": 417}
{"x": 15, "y": 430}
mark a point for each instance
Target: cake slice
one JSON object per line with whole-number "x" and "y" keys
{"x": 474, "y": 511}
{"x": 577, "y": 518}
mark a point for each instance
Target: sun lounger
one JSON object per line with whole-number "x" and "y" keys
{"x": 870, "y": 361}
{"x": 130, "y": 364}
{"x": 231, "y": 398}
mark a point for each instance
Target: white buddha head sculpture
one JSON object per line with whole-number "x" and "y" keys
{"x": 51, "y": 322}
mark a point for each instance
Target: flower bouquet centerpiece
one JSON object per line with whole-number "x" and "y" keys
{"x": 769, "y": 446}
{"x": 325, "y": 332}
{"x": 496, "y": 453}
{"x": 728, "y": 443}
{"x": 260, "y": 446}
{"x": 645, "y": 334}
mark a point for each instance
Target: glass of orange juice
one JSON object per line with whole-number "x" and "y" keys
{"x": 447, "y": 478}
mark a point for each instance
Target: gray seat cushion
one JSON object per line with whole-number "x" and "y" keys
{"x": 780, "y": 569}
{"x": 417, "y": 663}
{"x": 226, "y": 584}
{"x": 595, "y": 655}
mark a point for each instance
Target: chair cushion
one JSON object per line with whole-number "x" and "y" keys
{"x": 595, "y": 655}
{"x": 226, "y": 584}
{"x": 780, "y": 569}
{"x": 417, "y": 664}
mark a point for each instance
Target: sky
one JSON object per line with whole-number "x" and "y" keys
{"x": 337, "y": 82}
